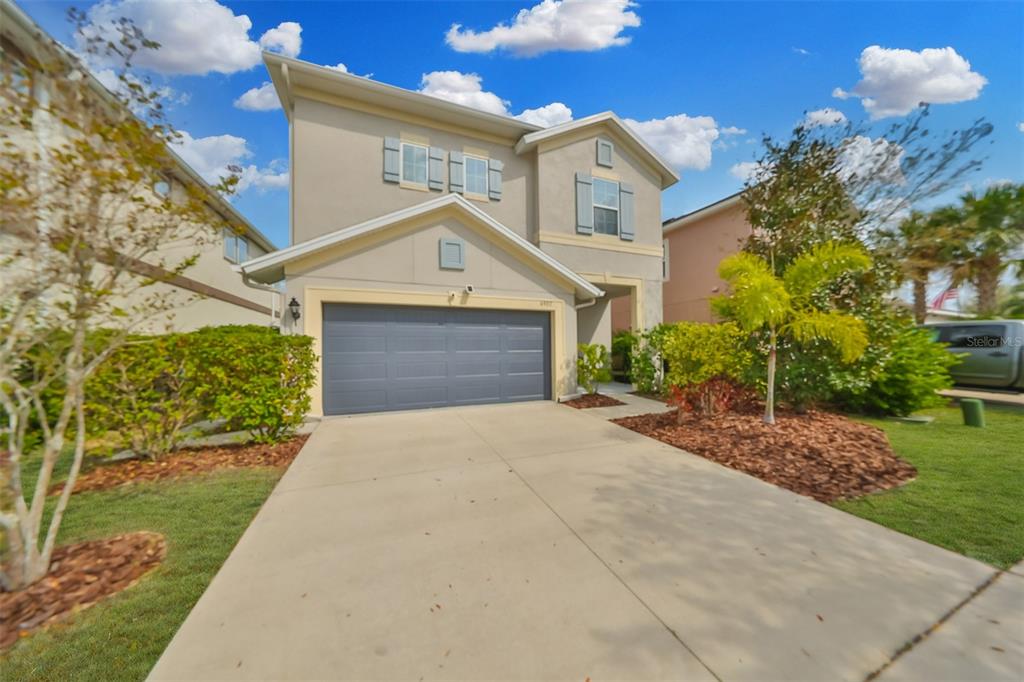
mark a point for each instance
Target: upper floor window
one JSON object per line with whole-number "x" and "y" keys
{"x": 162, "y": 188}
{"x": 236, "y": 247}
{"x": 414, "y": 163}
{"x": 664, "y": 260}
{"x": 606, "y": 207}
{"x": 476, "y": 175}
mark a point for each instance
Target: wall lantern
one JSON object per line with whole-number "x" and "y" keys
{"x": 293, "y": 305}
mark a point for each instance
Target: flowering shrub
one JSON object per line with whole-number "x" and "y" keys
{"x": 709, "y": 397}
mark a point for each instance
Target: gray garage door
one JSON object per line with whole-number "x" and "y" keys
{"x": 401, "y": 358}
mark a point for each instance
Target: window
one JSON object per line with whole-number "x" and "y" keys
{"x": 162, "y": 188}
{"x": 236, "y": 247}
{"x": 606, "y": 207}
{"x": 664, "y": 260}
{"x": 476, "y": 176}
{"x": 414, "y": 163}
{"x": 973, "y": 336}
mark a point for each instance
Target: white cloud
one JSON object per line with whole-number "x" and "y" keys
{"x": 744, "y": 169}
{"x": 548, "y": 115}
{"x": 1020, "y": 126}
{"x": 195, "y": 37}
{"x": 876, "y": 158}
{"x": 462, "y": 88}
{"x": 167, "y": 95}
{"x": 801, "y": 51}
{"x": 263, "y": 98}
{"x": 211, "y": 157}
{"x": 572, "y": 25}
{"x": 893, "y": 81}
{"x": 684, "y": 141}
{"x": 824, "y": 117}
{"x": 733, "y": 130}
{"x": 286, "y": 39}
{"x": 339, "y": 67}
{"x": 467, "y": 89}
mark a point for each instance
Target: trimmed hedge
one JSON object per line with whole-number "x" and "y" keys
{"x": 150, "y": 390}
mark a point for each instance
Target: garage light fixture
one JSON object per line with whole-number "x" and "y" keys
{"x": 293, "y": 305}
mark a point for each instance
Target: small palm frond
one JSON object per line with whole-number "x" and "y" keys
{"x": 822, "y": 264}
{"x": 845, "y": 332}
{"x": 758, "y": 297}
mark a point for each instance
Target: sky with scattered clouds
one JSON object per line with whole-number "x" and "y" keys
{"x": 700, "y": 82}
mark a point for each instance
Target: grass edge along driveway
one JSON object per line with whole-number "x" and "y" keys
{"x": 122, "y": 637}
{"x": 970, "y": 483}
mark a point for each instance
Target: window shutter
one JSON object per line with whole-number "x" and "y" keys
{"x": 456, "y": 172}
{"x": 626, "y": 212}
{"x": 494, "y": 168}
{"x": 391, "y": 159}
{"x": 604, "y": 153}
{"x": 435, "y": 169}
{"x": 584, "y": 203}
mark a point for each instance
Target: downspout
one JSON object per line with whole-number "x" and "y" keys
{"x": 585, "y": 304}
{"x": 275, "y": 310}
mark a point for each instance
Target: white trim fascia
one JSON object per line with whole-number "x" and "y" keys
{"x": 703, "y": 212}
{"x": 530, "y": 140}
{"x": 316, "y": 244}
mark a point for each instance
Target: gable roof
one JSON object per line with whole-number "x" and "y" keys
{"x": 288, "y": 74}
{"x": 607, "y": 118}
{"x": 270, "y": 266}
{"x": 673, "y": 224}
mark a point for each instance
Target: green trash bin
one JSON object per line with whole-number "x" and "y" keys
{"x": 974, "y": 412}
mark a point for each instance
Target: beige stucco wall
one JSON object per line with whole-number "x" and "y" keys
{"x": 695, "y": 250}
{"x": 338, "y": 170}
{"x": 594, "y": 323}
{"x": 400, "y": 266}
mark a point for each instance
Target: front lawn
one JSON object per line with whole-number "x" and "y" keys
{"x": 970, "y": 486}
{"x": 122, "y": 637}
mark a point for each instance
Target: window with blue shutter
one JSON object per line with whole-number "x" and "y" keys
{"x": 584, "y": 203}
{"x": 494, "y": 168}
{"x": 392, "y": 148}
{"x": 456, "y": 175}
{"x": 627, "y": 212}
{"x": 604, "y": 153}
{"x": 436, "y": 169}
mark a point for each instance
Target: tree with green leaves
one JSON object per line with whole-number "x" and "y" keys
{"x": 988, "y": 241}
{"x": 786, "y": 305}
{"x": 922, "y": 244}
{"x": 84, "y": 235}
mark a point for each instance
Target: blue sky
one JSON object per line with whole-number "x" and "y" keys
{"x": 702, "y": 81}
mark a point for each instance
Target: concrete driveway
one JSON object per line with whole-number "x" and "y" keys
{"x": 534, "y": 541}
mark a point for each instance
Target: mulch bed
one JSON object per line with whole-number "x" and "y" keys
{"x": 80, "y": 575}
{"x": 187, "y": 462}
{"x": 820, "y": 455}
{"x": 593, "y": 400}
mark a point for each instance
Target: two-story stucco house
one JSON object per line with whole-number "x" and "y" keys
{"x": 442, "y": 255}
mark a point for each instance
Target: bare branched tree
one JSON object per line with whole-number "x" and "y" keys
{"x": 97, "y": 215}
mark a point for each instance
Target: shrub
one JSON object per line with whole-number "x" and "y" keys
{"x": 259, "y": 379}
{"x": 709, "y": 397}
{"x": 624, "y": 342}
{"x": 646, "y": 361}
{"x": 592, "y": 366}
{"x": 148, "y": 391}
{"x": 696, "y": 352}
{"x": 908, "y": 368}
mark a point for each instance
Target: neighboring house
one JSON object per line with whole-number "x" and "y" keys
{"x": 211, "y": 292}
{"x": 442, "y": 255}
{"x": 695, "y": 244}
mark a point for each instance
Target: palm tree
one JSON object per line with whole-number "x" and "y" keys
{"x": 785, "y": 306}
{"x": 988, "y": 241}
{"x": 921, "y": 245}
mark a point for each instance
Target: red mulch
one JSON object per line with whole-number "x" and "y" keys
{"x": 80, "y": 575}
{"x": 187, "y": 462}
{"x": 820, "y": 455}
{"x": 593, "y": 400}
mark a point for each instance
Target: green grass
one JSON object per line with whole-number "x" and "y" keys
{"x": 969, "y": 493}
{"x": 122, "y": 637}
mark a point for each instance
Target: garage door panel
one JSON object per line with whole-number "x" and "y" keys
{"x": 401, "y": 357}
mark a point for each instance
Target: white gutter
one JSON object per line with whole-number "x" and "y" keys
{"x": 276, "y": 312}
